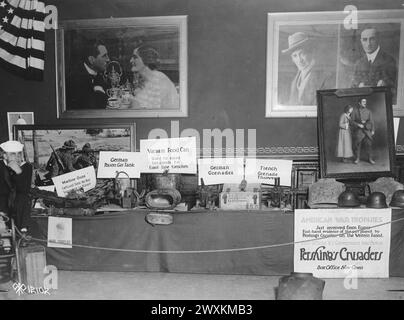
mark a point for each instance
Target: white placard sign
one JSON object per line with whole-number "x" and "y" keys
{"x": 353, "y": 247}
{"x": 220, "y": 170}
{"x": 59, "y": 232}
{"x": 177, "y": 155}
{"x": 265, "y": 171}
{"x": 80, "y": 179}
{"x": 50, "y": 188}
{"x": 112, "y": 162}
{"x": 396, "y": 124}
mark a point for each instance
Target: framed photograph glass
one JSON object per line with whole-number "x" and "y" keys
{"x": 310, "y": 51}
{"x": 122, "y": 68}
{"x": 75, "y": 146}
{"x": 355, "y": 129}
{"x": 18, "y": 118}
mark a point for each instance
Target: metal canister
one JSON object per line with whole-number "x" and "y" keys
{"x": 167, "y": 181}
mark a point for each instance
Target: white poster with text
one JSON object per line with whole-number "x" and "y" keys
{"x": 356, "y": 242}
{"x": 112, "y": 162}
{"x": 177, "y": 155}
{"x": 220, "y": 170}
{"x": 267, "y": 170}
{"x": 59, "y": 232}
{"x": 83, "y": 179}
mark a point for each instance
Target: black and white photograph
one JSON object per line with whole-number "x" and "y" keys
{"x": 201, "y": 158}
{"x": 18, "y": 118}
{"x": 134, "y": 67}
{"x": 57, "y": 150}
{"x": 318, "y": 51}
{"x": 356, "y": 133}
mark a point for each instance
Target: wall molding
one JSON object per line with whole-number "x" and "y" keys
{"x": 296, "y": 152}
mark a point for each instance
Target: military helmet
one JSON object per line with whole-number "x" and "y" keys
{"x": 69, "y": 144}
{"x": 348, "y": 199}
{"x": 87, "y": 147}
{"x": 376, "y": 200}
{"x": 397, "y": 200}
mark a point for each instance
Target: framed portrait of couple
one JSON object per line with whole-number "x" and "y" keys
{"x": 310, "y": 51}
{"x": 122, "y": 67}
{"x": 355, "y": 130}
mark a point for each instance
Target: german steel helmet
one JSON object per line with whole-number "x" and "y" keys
{"x": 376, "y": 200}
{"x": 348, "y": 199}
{"x": 397, "y": 200}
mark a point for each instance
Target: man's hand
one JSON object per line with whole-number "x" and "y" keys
{"x": 15, "y": 167}
{"x": 361, "y": 85}
{"x": 361, "y": 126}
{"x": 373, "y": 133}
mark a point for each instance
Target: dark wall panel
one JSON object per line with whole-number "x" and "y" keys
{"x": 226, "y": 66}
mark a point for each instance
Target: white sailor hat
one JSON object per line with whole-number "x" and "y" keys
{"x": 12, "y": 146}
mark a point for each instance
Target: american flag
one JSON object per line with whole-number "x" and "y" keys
{"x": 22, "y": 37}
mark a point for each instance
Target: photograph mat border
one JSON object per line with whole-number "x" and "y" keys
{"x": 10, "y": 129}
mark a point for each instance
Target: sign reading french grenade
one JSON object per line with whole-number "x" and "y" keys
{"x": 112, "y": 162}
{"x": 83, "y": 179}
{"x": 356, "y": 242}
{"x": 59, "y": 232}
{"x": 177, "y": 155}
{"x": 265, "y": 171}
{"x": 220, "y": 170}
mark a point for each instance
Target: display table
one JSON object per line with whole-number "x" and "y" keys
{"x": 190, "y": 231}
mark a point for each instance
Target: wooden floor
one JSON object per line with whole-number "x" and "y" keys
{"x": 171, "y": 286}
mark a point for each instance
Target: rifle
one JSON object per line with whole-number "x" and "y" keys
{"x": 366, "y": 131}
{"x": 59, "y": 161}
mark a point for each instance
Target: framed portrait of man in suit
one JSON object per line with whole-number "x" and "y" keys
{"x": 355, "y": 130}
{"x": 314, "y": 51}
{"x": 122, "y": 67}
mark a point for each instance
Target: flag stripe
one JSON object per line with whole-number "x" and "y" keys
{"x": 22, "y": 42}
{"x": 36, "y": 63}
{"x": 13, "y": 59}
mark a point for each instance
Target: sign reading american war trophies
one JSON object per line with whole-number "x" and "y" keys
{"x": 356, "y": 242}
{"x": 177, "y": 155}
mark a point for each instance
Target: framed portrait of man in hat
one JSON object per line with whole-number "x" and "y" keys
{"x": 122, "y": 67}
{"x": 312, "y": 51}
